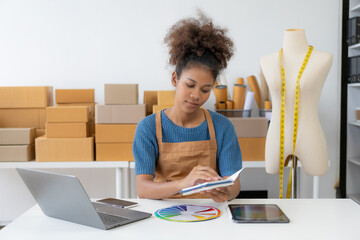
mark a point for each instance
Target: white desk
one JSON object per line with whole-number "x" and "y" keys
{"x": 309, "y": 219}
{"x": 121, "y": 169}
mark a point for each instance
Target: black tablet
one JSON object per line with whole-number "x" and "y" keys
{"x": 257, "y": 213}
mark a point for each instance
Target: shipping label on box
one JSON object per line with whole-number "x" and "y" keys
{"x": 17, "y": 153}
{"x": 74, "y": 95}
{"x": 67, "y": 114}
{"x": 115, "y": 133}
{"x": 67, "y": 130}
{"x": 17, "y": 136}
{"x": 250, "y": 127}
{"x": 119, "y": 113}
{"x": 121, "y": 94}
{"x": 114, "y": 152}
{"x": 64, "y": 149}
{"x": 252, "y": 149}
{"x": 23, "y": 118}
{"x": 26, "y": 97}
{"x": 166, "y": 97}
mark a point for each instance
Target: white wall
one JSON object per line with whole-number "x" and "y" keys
{"x": 86, "y": 43}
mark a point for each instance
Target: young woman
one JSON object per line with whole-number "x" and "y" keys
{"x": 184, "y": 145}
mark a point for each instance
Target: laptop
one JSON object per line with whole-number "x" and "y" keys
{"x": 63, "y": 197}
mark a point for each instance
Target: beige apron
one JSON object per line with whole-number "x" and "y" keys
{"x": 176, "y": 160}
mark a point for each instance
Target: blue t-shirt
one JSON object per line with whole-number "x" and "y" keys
{"x": 146, "y": 151}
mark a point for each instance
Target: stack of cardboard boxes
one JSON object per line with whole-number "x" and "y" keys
{"x": 251, "y": 133}
{"x": 25, "y": 107}
{"x": 116, "y": 122}
{"x": 78, "y": 97}
{"x": 67, "y": 135}
{"x": 17, "y": 144}
{"x": 165, "y": 99}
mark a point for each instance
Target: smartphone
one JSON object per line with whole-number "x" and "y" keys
{"x": 117, "y": 202}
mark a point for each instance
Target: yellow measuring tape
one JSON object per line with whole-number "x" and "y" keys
{"x": 282, "y": 120}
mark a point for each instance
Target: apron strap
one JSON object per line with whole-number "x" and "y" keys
{"x": 158, "y": 126}
{"x": 210, "y": 125}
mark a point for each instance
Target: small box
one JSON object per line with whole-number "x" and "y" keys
{"x": 17, "y": 153}
{"x": 252, "y": 149}
{"x": 67, "y": 114}
{"x": 114, "y": 152}
{"x": 67, "y": 130}
{"x": 118, "y": 94}
{"x": 90, "y": 105}
{"x": 157, "y": 108}
{"x": 119, "y": 113}
{"x": 74, "y": 95}
{"x": 26, "y": 97}
{"x": 64, "y": 149}
{"x": 115, "y": 133}
{"x": 23, "y": 118}
{"x": 17, "y": 136}
{"x": 150, "y": 99}
{"x": 166, "y": 97}
{"x": 250, "y": 127}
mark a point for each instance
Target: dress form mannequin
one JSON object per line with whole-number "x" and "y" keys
{"x": 311, "y": 147}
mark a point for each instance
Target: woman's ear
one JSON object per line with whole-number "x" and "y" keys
{"x": 174, "y": 79}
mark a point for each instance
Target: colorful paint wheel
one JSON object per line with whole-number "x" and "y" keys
{"x": 188, "y": 213}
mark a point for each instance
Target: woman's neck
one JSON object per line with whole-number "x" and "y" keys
{"x": 183, "y": 119}
{"x": 295, "y": 41}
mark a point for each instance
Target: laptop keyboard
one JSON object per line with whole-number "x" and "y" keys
{"x": 111, "y": 220}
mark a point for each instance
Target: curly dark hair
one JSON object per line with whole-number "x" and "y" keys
{"x": 198, "y": 41}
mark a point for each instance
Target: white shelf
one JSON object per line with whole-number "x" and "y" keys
{"x": 355, "y": 197}
{"x": 355, "y": 46}
{"x": 355, "y": 8}
{"x": 92, "y": 164}
{"x": 354, "y": 84}
{"x": 356, "y": 124}
{"x": 354, "y": 161}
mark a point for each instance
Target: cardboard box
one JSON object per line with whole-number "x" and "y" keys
{"x": 121, "y": 94}
{"x": 17, "y": 136}
{"x": 115, "y": 133}
{"x": 40, "y": 132}
{"x": 252, "y": 149}
{"x": 17, "y": 153}
{"x": 250, "y": 127}
{"x": 23, "y": 118}
{"x": 157, "y": 108}
{"x": 119, "y": 113}
{"x": 90, "y": 105}
{"x": 150, "y": 99}
{"x": 67, "y": 114}
{"x": 74, "y": 95}
{"x": 67, "y": 130}
{"x": 114, "y": 152}
{"x": 64, "y": 149}
{"x": 26, "y": 97}
{"x": 166, "y": 97}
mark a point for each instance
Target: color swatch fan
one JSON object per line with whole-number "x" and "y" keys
{"x": 188, "y": 213}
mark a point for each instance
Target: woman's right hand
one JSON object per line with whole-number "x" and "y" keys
{"x": 199, "y": 174}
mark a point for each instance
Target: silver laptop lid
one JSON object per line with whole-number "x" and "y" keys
{"x": 61, "y": 196}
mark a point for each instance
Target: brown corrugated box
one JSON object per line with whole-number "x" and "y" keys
{"x": 115, "y": 133}
{"x": 74, "y": 95}
{"x": 166, "y": 97}
{"x": 90, "y": 105}
{"x": 17, "y": 136}
{"x": 67, "y": 130}
{"x": 40, "y": 132}
{"x": 250, "y": 127}
{"x": 17, "y": 153}
{"x": 150, "y": 99}
{"x": 114, "y": 152}
{"x": 119, "y": 113}
{"x": 26, "y": 97}
{"x": 67, "y": 114}
{"x": 23, "y": 118}
{"x": 64, "y": 149}
{"x": 157, "y": 108}
{"x": 252, "y": 149}
{"x": 121, "y": 94}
